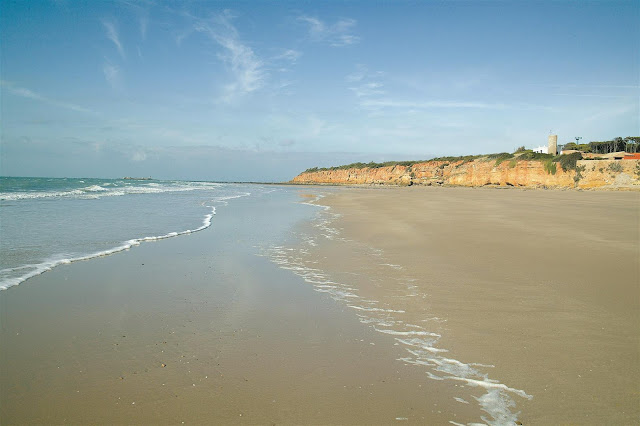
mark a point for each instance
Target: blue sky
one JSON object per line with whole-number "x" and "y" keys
{"x": 258, "y": 90}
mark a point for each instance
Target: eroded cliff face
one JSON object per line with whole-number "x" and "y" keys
{"x": 615, "y": 174}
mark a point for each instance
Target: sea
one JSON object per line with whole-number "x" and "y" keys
{"x": 46, "y": 222}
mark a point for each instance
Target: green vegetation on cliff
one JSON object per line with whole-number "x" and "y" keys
{"x": 534, "y": 156}
{"x": 463, "y": 158}
{"x": 370, "y": 165}
{"x": 373, "y": 165}
{"x": 567, "y": 162}
{"x": 500, "y": 157}
{"x": 460, "y": 160}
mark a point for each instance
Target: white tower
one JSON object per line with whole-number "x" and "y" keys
{"x": 553, "y": 145}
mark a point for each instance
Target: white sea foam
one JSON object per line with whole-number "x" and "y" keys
{"x": 98, "y": 191}
{"x": 375, "y": 321}
{"x": 498, "y": 406}
{"x": 49, "y": 264}
{"x": 224, "y": 199}
{"x": 363, "y": 308}
{"x": 420, "y": 344}
{"x": 433, "y": 376}
{"x": 407, "y": 333}
{"x": 391, "y": 265}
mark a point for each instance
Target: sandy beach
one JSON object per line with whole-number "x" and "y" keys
{"x": 431, "y": 306}
{"x": 541, "y": 285}
{"x": 201, "y": 329}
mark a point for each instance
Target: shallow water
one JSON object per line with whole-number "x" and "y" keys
{"x": 47, "y": 222}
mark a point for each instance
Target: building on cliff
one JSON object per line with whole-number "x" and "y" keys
{"x": 552, "y": 145}
{"x": 551, "y": 148}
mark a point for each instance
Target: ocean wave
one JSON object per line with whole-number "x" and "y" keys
{"x": 13, "y": 276}
{"x": 109, "y": 189}
{"x": 93, "y": 188}
{"x": 51, "y": 263}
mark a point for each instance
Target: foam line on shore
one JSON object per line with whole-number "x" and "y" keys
{"x": 406, "y": 333}
{"x": 421, "y": 344}
{"x": 52, "y": 263}
{"x": 361, "y": 308}
{"x": 109, "y": 189}
{"x": 49, "y": 264}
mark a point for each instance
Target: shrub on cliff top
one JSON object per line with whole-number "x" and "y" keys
{"x": 370, "y": 165}
{"x": 534, "y": 156}
{"x": 463, "y": 158}
{"x": 500, "y": 157}
{"x": 569, "y": 161}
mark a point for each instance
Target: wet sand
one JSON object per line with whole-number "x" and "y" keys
{"x": 200, "y": 329}
{"x": 542, "y": 285}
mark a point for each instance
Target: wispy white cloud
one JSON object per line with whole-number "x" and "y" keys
{"x": 113, "y": 75}
{"x": 339, "y": 34}
{"x": 590, "y": 86}
{"x": 390, "y": 103}
{"x": 368, "y": 89}
{"x": 609, "y": 113}
{"x": 141, "y": 8}
{"x": 180, "y": 37}
{"x": 594, "y": 90}
{"x": 358, "y": 75}
{"x": 247, "y": 68}
{"x": 289, "y": 55}
{"x": 112, "y": 34}
{"x": 588, "y": 95}
{"x": 285, "y": 87}
{"x": 144, "y": 26}
{"x": 30, "y": 94}
{"x": 366, "y": 84}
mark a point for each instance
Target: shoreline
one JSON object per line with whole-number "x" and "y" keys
{"x": 415, "y": 304}
{"x": 199, "y": 329}
{"x": 507, "y": 274}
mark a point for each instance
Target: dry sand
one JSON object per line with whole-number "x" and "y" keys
{"x": 543, "y": 285}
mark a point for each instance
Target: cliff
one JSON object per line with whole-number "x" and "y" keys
{"x": 615, "y": 174}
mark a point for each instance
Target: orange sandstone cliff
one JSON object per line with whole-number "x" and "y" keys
{"x": 609, "y": 174}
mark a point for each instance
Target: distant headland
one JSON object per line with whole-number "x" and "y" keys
{"x": 136, "y": 178}
{"x": 608, "y": 165}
